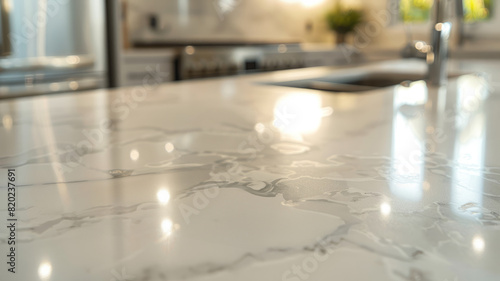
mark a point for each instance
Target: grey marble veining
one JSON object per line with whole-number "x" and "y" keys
{"x": 232, "y": 179}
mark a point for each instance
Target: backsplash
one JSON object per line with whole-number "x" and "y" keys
{"x": 230, "y": 20}
{"x": 279, "y": 21}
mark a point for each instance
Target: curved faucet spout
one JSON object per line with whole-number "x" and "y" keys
{"x": 437, "y": 56}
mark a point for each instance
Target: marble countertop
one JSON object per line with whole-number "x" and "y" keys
{"x": 231, "y": 179}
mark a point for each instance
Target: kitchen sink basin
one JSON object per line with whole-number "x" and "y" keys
{"x": 359, "y": 82}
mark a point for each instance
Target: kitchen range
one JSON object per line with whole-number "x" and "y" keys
{"x": 204, "y": 60}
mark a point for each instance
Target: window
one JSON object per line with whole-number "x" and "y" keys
{"x": 419, "y": 10}
{"x": 415, "y": 10}
{"x": 477, "y": 10}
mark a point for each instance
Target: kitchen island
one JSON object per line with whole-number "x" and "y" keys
{"x": 236, "y": 179}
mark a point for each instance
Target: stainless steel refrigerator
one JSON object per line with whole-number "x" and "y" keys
{"x": 49, "y": 46}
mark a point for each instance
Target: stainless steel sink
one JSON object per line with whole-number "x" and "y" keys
{"x": 364, "y": 81}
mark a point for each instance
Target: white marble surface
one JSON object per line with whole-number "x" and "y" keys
{"x": 228, "y": 179}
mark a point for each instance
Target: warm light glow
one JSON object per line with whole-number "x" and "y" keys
{"x": 134, "y": 155}
{"x": 385, "y": 209}
{"x": 44, "y": 270}
{"x": 163, "y": 196}
{"x": 167, "y": 226}
{"x": 169, "y": 147}
{"x": 305, "y": 3}
{"x": 422, "y": 46}
{"x": 190, "y": 50}
{"x": 430, "y": 57}
{"x": 299, "y": 113}
{"x": 8, "y": 6}
{"x": 426, "y": 186}
{"x": 7, "y": 122}
{"x": 73, "y": 85}
{"x": 55, "y": 86}
{"x": 478, "y": 244}
{"x": 73, "y": 59}
{"x": 311, "y": 3}
{"x": 260, "y": 128}
{"x": 444, "y": 27}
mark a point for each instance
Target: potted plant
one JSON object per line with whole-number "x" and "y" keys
{"x": 343, "y": 20}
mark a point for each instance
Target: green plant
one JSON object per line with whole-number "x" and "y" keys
{"x": 343, "y": 20}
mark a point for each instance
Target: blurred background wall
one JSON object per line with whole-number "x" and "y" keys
{"x": 280, "y": 21}
{"x": 245, "y": 20}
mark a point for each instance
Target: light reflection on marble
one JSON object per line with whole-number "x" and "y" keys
{"x": 163, "y": 196}
{"x": 194, "y": 183}
{"x": 408, "y": 147}
{"x": 298, "y": 113}
{"x": 44, "y": 271}
{"x": 469, "y": 147}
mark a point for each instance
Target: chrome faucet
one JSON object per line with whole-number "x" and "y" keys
{"x": 436, "y": 53}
